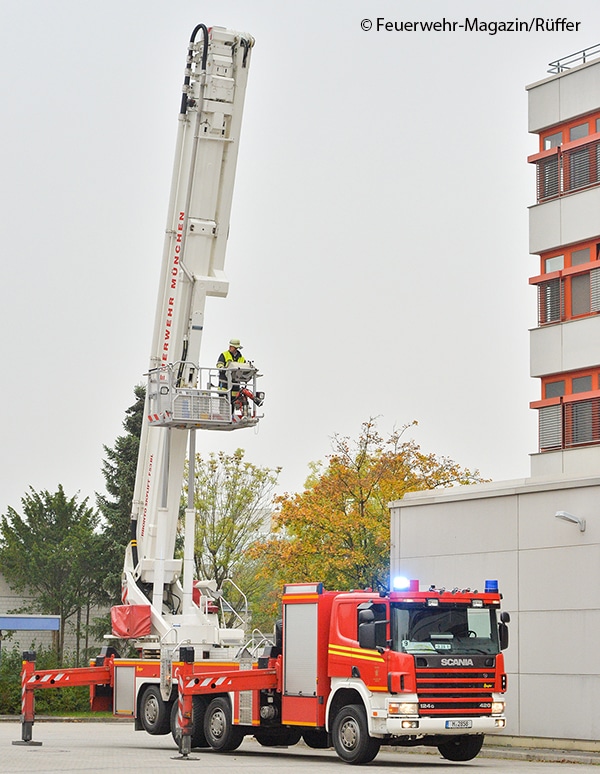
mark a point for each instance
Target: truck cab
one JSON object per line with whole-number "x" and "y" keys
{"x": 402, "y": 668}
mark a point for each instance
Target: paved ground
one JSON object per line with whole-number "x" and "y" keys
{"x": 99, "y": 747}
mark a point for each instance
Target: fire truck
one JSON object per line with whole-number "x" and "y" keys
{"x": 354, "y": 670}
{"x": 351, "y": 669}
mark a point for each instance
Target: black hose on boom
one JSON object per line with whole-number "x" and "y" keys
{"x": 186, "y": 80}
{"x": 133, "y": 541}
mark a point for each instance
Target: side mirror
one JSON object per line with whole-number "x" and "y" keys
{"x": 366, "y": 635}
{"x": 372, "y": 635}
{"x": 365, "y": 616}
{"x": 503, "y": 635}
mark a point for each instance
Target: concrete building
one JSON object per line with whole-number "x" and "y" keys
{"x": 540, "y": 536}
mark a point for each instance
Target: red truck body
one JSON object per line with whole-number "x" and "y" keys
{"x": 350, "y": 669}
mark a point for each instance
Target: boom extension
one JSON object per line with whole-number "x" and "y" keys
{"x": 182, "y": 397}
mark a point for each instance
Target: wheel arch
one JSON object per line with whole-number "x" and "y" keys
{"x": 355, "y": 693}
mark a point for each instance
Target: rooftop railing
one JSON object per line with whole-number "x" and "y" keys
{"x": 579, "y": 57}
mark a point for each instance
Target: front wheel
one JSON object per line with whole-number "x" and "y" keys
{"x": 350, "y": 734}
{"x": 219, "y": 730}
{"x": 461, "y": 748}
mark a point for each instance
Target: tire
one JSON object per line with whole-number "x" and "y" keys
{"x": 155, "y": 713}
{"x": 317, "y": 740}
{"x": 350, "y": 734}
{"x": 219, "y": 730}
{"x": 278, "y": 737}
{"x": 198, "y": 737}
{"x": 461, "y": 748}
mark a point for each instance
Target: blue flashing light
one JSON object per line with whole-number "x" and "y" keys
{"x": 401, "y": 583}
{"x": 491, "y": 587}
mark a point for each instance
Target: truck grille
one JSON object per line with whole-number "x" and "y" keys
{"x": 452, "y": 692}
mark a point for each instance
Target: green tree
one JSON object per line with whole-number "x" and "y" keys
{"x": 119, "y": 470}
{"x": 52, "y": 553}
{"x": 338, "y": 529}
{"x": 233, "y": 502}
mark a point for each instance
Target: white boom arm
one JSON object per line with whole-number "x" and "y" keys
{"x": 192, "y": 269}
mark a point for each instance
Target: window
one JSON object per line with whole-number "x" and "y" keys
{"x": 569, "y": 158}
{"x": 571, "y": 294}
{"x": 570, "y": 383}
{"x": 580, "y": 295}
{"x": 579, "y": 131}
{"x": 581, "y": 383}
{"x": 595, "y": 289}
{"x": 444, "y": 629}
{"x": 575, "y": 419}
{"x": 550, "y": 302}
{"x": 556, "y": 263}
{"x": 549, "y": 184}
{"x": 554, "y": 140}
{"x": 579, "y": 256}
{"x": 550, "y": 428}
{"x": 579, "y": 168}
{"x": 581, "y": 420}
{"x": 555, "y": 389}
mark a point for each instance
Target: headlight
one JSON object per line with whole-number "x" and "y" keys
{"x": 403, "y": 708}
{"x": 497, "y": 707}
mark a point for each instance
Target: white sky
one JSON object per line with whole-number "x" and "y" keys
{"x": 378, "y": 254}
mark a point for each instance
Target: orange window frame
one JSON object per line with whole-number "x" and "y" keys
{"x": 569, "y": 395}
{"x": 568, "y": 271}
{"x": 565, "y": 128}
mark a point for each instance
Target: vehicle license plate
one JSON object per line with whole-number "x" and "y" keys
{"x": 459, "y": 724}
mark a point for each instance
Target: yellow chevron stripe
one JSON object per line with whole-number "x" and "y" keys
{"x": 364, "y": 656}
{"x": 356, "y": 651}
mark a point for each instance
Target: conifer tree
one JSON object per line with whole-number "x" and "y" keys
{"x": 119, "y": 469}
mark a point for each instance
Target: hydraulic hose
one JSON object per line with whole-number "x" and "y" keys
{"x": 186, "y": 80}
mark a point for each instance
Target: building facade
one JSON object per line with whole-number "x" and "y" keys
{"x": 564, "y": 232}
{"x": 540, "y": 536}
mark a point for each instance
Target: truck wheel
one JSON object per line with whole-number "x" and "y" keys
{"x": 317, "y": 740}
{"x": 219, "y": 730}
{"x": 461, "y": 748}
{"x": 155, "y": 714}
{"x": 199, "y": 708}
{"x": 350, "y": 734}
{"x": 277, "y": 737}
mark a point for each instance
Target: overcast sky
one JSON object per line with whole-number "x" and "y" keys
{"x": 378, "y": 253}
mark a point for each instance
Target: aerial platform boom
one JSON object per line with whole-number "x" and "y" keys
{"x": 192, "y": 268}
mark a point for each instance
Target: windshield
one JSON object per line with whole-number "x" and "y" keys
{"x": 444, "y": 629}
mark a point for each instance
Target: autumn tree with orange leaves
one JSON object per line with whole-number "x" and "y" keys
{"x": 338, "y": 529}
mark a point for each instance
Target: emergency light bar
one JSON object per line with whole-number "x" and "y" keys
{"x": 400, "y": 583}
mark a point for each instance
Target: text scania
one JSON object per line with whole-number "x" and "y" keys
{"x": 475, "y": 24}
{"x": 456, "y": 662}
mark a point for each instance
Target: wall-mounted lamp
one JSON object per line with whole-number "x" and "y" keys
{"x": 565, "y": 516}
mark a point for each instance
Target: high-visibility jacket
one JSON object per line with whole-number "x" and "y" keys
{"x": 224, "y": 359}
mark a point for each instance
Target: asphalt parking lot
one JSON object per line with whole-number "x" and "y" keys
{"x": 105, "y": 746}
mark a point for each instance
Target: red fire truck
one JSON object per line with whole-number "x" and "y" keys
{"x": 353, "y": 670}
